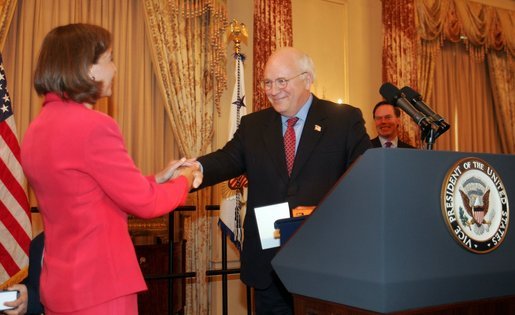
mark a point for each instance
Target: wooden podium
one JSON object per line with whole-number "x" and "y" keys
{"x": 379, "y": 244}
{"x": 495, "y": 306}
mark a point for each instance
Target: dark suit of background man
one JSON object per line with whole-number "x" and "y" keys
{"x": 329, "y": 138}
{"x": 387, "y": 120}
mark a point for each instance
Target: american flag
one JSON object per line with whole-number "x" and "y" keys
{"x": 15, "y": 224}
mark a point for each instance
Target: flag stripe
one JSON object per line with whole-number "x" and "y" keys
{"x": 13, "y": 186}
{"x": 7, "y": 262}
{"x": 15, "y": 228}
{"x": 10, "y": 138}
{"x": 18, "y": 213}
{"x": 17, "y": 252}
{"x": 3, "y": 275}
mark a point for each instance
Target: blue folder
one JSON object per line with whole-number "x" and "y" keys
{"x": 288, "y": 226}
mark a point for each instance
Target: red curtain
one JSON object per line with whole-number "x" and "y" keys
{"x": 272, "y": 30}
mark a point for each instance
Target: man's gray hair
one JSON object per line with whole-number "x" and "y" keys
{"x": 306, "y": 65}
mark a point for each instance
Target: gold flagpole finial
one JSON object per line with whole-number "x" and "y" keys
{"x": 237, "y": 32}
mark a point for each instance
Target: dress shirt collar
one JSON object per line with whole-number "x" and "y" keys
{"x": 302, "y": 113}
{"x": 394, "y": 141}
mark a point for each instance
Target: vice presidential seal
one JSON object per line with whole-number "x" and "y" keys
{"x": 475, "y": 205}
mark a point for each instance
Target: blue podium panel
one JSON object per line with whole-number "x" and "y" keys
{"x": 378, "y": 241}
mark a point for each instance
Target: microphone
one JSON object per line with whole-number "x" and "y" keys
{"x": 416, "y": 99}
{"x": 395, "y": 97}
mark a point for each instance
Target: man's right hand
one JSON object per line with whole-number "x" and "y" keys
{"x": 192, "y": 172}
{"x": 21, "y": 303}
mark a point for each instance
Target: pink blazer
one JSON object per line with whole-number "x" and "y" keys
{"x": 86, "y": 184}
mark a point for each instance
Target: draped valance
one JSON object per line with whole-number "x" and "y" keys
{"x": 480, "y": 27}
{"x": 7, "y": 8}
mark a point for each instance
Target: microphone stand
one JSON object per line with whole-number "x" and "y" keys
{"x": 430, "y": 135}
{"x": 430, "y": 139}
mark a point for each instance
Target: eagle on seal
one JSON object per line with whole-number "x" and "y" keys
{"x": 477, "y": 209}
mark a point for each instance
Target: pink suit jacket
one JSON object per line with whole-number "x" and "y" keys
{"x": 86, "y": 184}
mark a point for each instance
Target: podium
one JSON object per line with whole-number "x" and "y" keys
{"x": 378, "y": 242}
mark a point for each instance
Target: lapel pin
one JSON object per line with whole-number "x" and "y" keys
{"x": 318, "y": 128}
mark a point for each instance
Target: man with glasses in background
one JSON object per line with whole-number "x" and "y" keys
{"x": 293, "y": 152}
{"x": 387, "y": 120}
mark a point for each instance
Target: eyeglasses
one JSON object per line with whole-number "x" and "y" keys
{"x": 280, "y": 83}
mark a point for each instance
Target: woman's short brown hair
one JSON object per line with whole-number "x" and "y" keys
{"x": 65, "y": 58}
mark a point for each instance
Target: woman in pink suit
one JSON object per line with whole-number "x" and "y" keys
{"x": 85, "y": 181}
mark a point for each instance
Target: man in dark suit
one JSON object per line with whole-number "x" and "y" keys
{"x": 328, "y": 138}
{"x": 387, "y": 120}
{"x": 28, "y": 302}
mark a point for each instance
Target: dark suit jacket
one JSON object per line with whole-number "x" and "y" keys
{"x": 32, "y": 281}
{"x": 376, "y": 143}
{"x": 333, "y": 137}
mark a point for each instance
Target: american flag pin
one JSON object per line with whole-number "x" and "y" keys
{"x": 318, "y": 128}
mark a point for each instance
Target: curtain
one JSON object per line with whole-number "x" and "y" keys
{"x": 188, "y": 56}
{"x": 502, "y": 75}
{"x": 462, "y": 97}
{"x": 272, "y": 30}
{"x": 488, "y": 34}
{"x": 400, "y": 49}
{"x": 483, "y": 31}
{"x": 7, "y": 8}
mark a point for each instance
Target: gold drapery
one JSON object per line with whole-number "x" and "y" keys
{"x": 188, "y": 55}
{"x": 7, "y": 8}
{"x": 462, "y": 95}
{"x": 502, "y": 76}
{"x": 483, "y": 27}
{"x": 400, "y": 48}
{"x": 484, "y": 30}
{"x": 272, "y": 30}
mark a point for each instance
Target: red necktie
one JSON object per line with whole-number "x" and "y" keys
{"x": 289, "y": 143}
{"x": 388, "y": 144}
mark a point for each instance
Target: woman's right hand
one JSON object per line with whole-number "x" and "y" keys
{"x": 169, "y": 171}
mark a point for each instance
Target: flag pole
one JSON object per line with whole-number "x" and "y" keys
{"x": 232, "y": 205}
{"x": 237, "y": 34}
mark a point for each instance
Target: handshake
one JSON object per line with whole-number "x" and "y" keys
{"x": 188, "y": 168}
